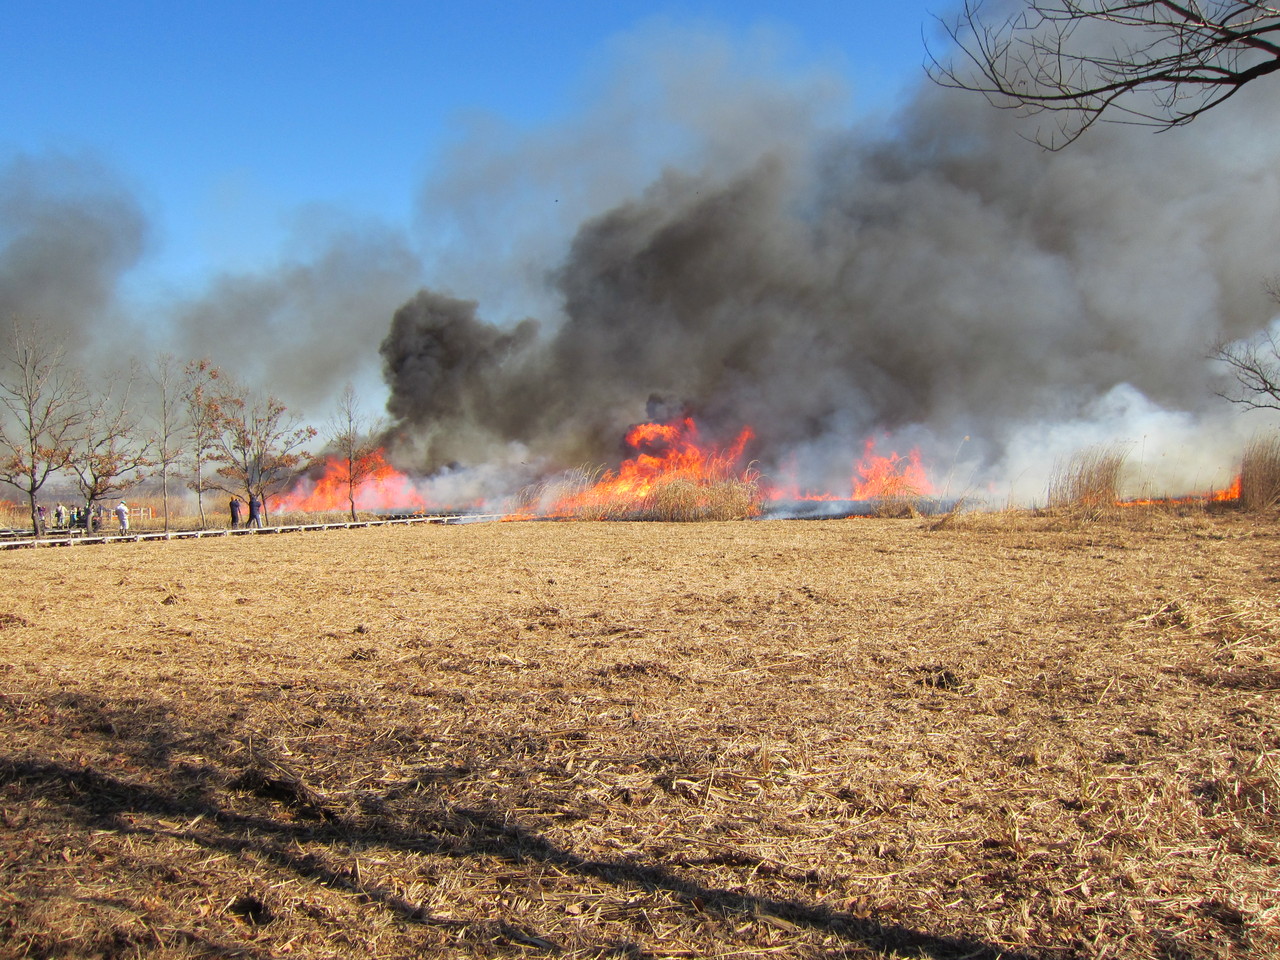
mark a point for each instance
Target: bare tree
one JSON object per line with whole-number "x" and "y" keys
{"x": 259, "y": 451}
{"x": 204, "y": 403}
{"x": 167, "y": 416}
{"x": 1150, "y": 62}
{"x": 43, "y": 404}
{"x": 353, "y": 439}
{"x": 1255, "y": 364}
{"x": 108, "y": 456}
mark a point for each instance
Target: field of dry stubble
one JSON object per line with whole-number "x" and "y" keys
{"x": 1008, "y": 737}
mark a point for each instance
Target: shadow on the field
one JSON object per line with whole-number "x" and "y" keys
{"x": 282, "y": 817}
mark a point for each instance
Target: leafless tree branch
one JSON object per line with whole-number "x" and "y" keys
{"x": 354, "y": 440}
{"x": 1156, "y": 62}
{"x": 1255, "y": 364}
{"x": 109, "y": 454}
{"x": 259, "y": 450}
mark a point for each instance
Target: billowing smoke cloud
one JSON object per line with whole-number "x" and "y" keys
{"x": 69, "y": 230}
{"x": 712, "y": 235}
{"x": 305, "y": 326}
{"x": 949, "y": 283}
{"x": 444, "y": 360}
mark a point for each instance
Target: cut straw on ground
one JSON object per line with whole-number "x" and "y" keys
{"x": 869, "y": 738}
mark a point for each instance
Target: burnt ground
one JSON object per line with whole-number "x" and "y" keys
{"x": 1011, "y": 736}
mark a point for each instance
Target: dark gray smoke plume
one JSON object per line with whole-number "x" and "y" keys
{"x": 69, "y": 230}
{"x": 447, "y": 359}
{"x": 951, "y": 285}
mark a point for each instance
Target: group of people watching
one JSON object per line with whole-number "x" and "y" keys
{"x": 88, "y": 519}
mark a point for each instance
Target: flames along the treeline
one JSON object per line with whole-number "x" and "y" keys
{"x": 659, "y": 455}
{"x": 384, "y": 488}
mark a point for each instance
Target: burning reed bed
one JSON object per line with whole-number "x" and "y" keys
{"x": 833, "y": 738}
{"x": 600, "y": 495}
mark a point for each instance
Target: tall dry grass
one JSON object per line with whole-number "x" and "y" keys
{"x": 736, "y": 498}
{"x": 14, "y": 514}
{"x": 677, "y": 499}
{"x": 1260, "y": 474}
{"x": 589, "y": 494}
{"x": 1088, "y": 483}
{"x": 903, "y": 503}
{"x": 568, "y": 493}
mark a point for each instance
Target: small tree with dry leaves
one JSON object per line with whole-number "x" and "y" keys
{"x": 110, "y": 455}
{"x": 43, "y": 405}
{"x": 167, "y": 418}
{"x": 204, "y": 401}
{"x": 260, "y": 450}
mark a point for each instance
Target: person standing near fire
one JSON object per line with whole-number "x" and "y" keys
{"x": 255, "y": 511}
{"x": 236, "y": 504}
{"x": 122, "y": 514}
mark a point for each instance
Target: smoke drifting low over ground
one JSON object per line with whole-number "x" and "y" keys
{"x": 946, "y": 283}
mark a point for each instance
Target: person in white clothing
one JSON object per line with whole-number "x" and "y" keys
{"x": 122, "y": 514}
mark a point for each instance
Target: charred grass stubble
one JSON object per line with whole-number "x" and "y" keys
{"x": 834, "y": 738}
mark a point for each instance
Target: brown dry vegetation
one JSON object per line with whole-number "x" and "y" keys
{"x": 595, "y": 495}
{"x": 1000, "y": 736}
{"x": 1260, "y": 474}
{"x": 1088, "y": 484}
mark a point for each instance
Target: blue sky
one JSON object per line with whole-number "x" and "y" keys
{"x": 226, "y": 119}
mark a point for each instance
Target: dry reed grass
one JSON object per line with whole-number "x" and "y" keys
{"x": 1087, "y": 485}
{"x": 13, "y": 514}
{"x": 1260, "y": 474}
{"x": 821, "y": 739}
{"x": 902, "y": 505}
{"x": 591, "y": 494}
{"x": 685, "y": 500}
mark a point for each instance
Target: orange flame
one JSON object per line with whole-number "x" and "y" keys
{"x": 874, "y": 477}
{"x": 877, "y": 478}
{"x": 662, "y": 453}
{"x": 384, "y": 488}
{"x": 1228, "y": 494}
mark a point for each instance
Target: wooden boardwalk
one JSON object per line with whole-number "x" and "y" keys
{"x": 80, "y": 540}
